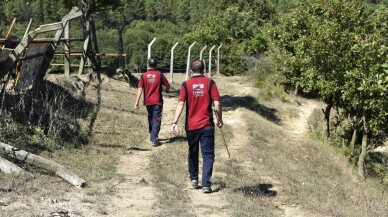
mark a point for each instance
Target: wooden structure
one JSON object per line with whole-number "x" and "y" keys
{"x": 36, "y": 161}
{"x": 32, "y": 57}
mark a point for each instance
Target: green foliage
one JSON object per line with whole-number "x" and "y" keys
{"x": 340, "y": 50}
{"x": 236, "y": 25}
{"x": 367, "y": 83}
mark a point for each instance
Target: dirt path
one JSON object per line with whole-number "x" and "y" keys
{"x": 201, "y": 204}
{"x": 136, "y": 194}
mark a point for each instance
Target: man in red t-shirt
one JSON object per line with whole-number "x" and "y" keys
{"x": 151, "y": 82}
{"x": 199, "y": 92}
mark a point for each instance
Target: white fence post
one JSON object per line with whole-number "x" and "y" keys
{"x": 218, "y": 59}
{"x": 210, "y": 60}
{"x": 149, "y": 51}
{"x": 200, "y": 55}
{"x": 172, "y": 62}
{"x": 188, "y": 61}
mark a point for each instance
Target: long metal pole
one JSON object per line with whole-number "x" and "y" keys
{"x": 200, "y": 55}
{"x": 222, "y": 134}
{"x": 188, "y": 61}
{"x": 172, "y": 62}
{"x": 218, "y": 59}
{"x": 149, "y": 50}
{"x": 210, "y": 60}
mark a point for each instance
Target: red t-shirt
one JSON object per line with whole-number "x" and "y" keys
{"x": 152, "y": 81}
{"x": 199, "y": 92}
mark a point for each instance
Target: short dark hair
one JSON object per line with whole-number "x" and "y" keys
{"x": 197, "y": 66}
{"x": 152, "y": 62}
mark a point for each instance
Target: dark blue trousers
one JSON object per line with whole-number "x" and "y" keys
{"x": 205, "y": 138}
{"x": 154, "y": 121}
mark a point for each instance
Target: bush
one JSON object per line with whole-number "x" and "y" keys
{"x": 43, "y": 118}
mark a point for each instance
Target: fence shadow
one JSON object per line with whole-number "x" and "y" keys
{"x": 248, "y": 102}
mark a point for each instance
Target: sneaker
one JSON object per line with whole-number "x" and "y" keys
{"x": 156, "y": 144}
{"x": 207, "y": 190}
{"x": 194, "y": 184}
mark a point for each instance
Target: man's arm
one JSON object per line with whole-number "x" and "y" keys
{"x": 166, "y": 83}
{"x": 167, "y": 87}
{"x": 178, "y": 112}
{"x": 139, "y": 92}
{"x": 218, "y": 108}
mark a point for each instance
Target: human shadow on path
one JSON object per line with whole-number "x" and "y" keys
{"x": 173, "y": 139}
{"x": 248, "y": 102}
{"x": 257, "y": 190}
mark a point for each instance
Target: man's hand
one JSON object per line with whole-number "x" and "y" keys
{"x": 220, "y": 123}
{"x": 175, "y": 129}
{"x": 136, "y": 105}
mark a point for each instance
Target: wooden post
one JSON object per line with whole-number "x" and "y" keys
{"x": 172, "y": 62}
{"x": 28, "y": 27}
{"x": 67, "y": 49}
{"x": 9, "y": 31}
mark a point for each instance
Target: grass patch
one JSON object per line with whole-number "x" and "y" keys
{"x": 108, "y": 124}
{"x": 311, "y": 174}
{"x": 245, "y": 190}
{"x": 170, "y": 171}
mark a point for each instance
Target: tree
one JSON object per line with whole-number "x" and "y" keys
{"x": 366, "y": 87}
{"x": 121, "y": 17}
{"x": 315, "y": 40}
{"x": 339, "y": 49}
{"x": 232, "y": 23}
{"x": 90, "y": 8}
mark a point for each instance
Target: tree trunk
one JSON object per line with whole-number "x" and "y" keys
{"x": 120, "y": 31}
{"x": 364, "y": 145}
{"x": 88, "y": 10}
{"x": 42, "y": 163}
{"x": 353, "y": 144}
{"x": 40, "y": 11}
{"x": 8, "y": 167}
{"x": 296, "y": 91}
{"x": 95, "y": 43}
{"x": 326, "y": 127}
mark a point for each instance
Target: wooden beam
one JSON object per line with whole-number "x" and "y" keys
{"x": 67, "y": 49}
{"x": 78, "y": 53}
{"x": 74, "y": 13}
{"x": 83, "y": 56}
{"x": 8, "y": 167}
{"x": 43, "y": 163}
{"x": 28, "y": 27}
{"x": 10, "y": 30}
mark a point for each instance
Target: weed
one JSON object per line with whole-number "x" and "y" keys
{"x": 43, "y": 118}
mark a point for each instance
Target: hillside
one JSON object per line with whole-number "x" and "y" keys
{"x": 276, "y": 168}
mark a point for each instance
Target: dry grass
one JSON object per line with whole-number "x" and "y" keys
{"x": 311, "y": 174}
{"x": 95, "y": 162}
